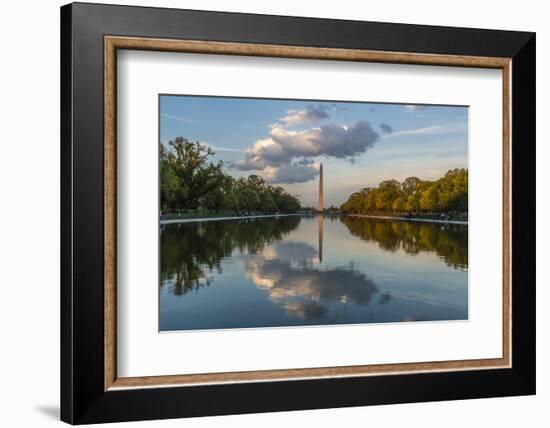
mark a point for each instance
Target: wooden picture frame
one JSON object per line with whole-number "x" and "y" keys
{"x": 91, "y": 390}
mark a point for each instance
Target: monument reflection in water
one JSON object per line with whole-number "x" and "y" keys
{"x": 291, "y": 271}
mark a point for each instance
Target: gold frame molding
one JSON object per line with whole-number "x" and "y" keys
{"x": 113, "y": 43}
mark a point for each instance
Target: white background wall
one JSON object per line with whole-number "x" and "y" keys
{"x": 29, "y": 214}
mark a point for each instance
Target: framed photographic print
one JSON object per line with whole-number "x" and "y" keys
{"x": 266, "y": 213}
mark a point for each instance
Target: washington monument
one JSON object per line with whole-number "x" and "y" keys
{"x": 321, "y": 206}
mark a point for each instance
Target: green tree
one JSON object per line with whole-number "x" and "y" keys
{"x": 288, "y": 203}
{"x": 387, "y": 192}
{"x": 413, "y": 202}
{"x": 191, "y": 181}
{"x": 169, "y": 184}
{"x": 429, "y": 201}
{"x": 411, "y": 185}
{"x": 230, "y": 194}
{"x": 197, "y": 176}
{"x": 267, "y": 203}
{"x": 399, "y": 205}
{"x": 447, "y": 194}
{"x": 248, "y": 198}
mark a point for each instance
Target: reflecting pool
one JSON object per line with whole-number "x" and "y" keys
{"x": 310, "y": 270}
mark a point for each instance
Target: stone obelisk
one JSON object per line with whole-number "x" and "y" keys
{"x": 321, "y": 202}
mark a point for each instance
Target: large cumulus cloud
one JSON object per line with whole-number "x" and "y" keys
{"x": 288, "y": 154}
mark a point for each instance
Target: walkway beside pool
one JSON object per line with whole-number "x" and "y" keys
{"x": 191, "y": 220}
{"x": 422, "y": 220}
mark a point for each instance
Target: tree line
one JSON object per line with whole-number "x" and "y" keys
{"x": 190, "y": 181}
{"x": 449, "y": 194}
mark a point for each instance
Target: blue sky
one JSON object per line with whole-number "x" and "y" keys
{"x": 359, "y": 144}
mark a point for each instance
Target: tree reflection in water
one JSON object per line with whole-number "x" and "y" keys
{"x": 285, "y": 261}
{"x": 448, "y": 241}
{"x": 190, "y": 252}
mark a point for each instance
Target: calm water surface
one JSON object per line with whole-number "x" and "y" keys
{"x": 290, "y": 271}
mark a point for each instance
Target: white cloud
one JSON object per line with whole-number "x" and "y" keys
{"x": 309, "y": 115}
{"x": 288, "y": 155}
{"x": 283, "y": 145}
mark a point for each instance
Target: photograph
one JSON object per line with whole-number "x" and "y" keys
{"x": 287, "y": 212}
